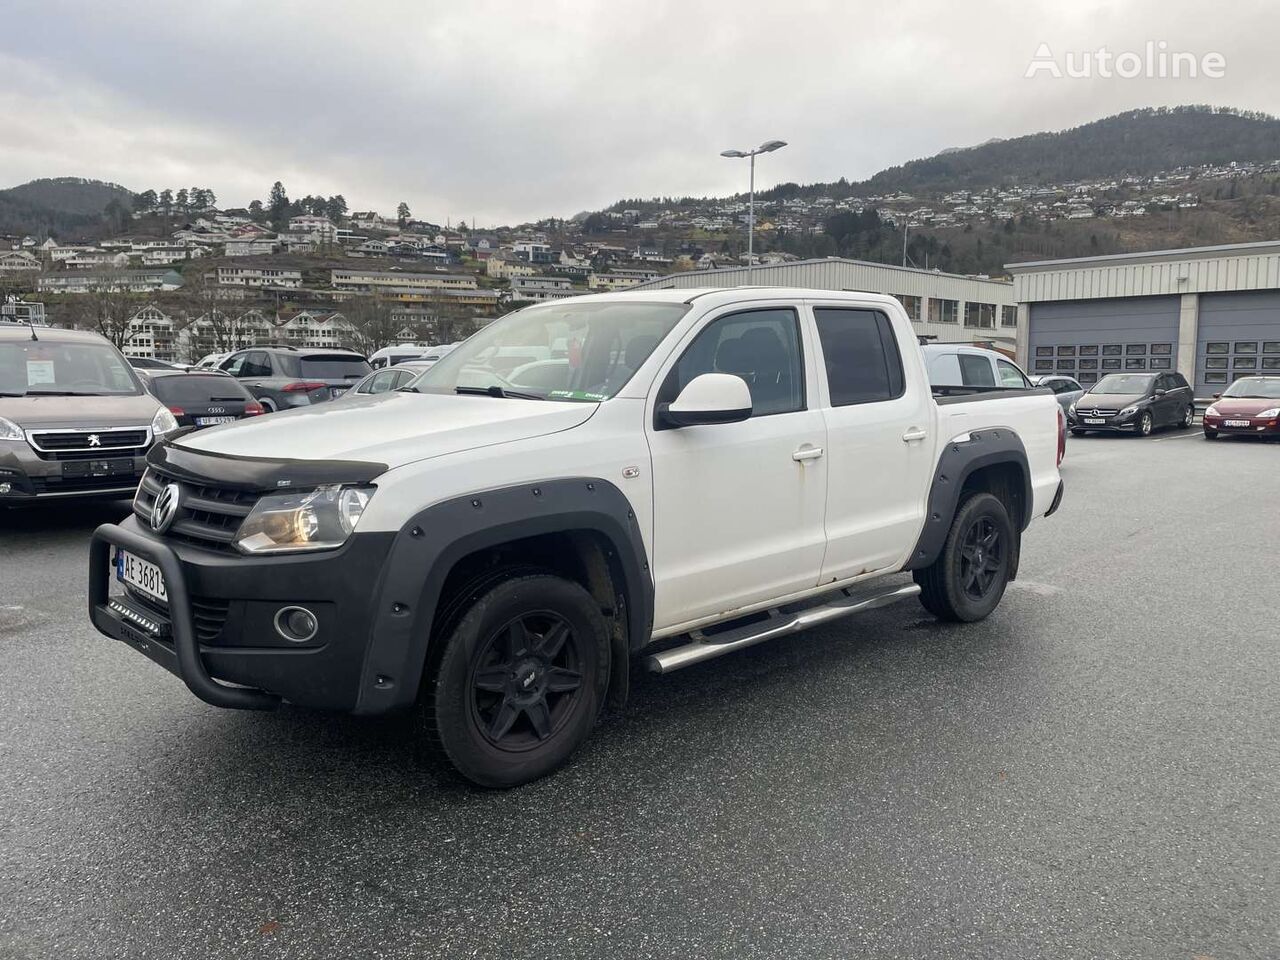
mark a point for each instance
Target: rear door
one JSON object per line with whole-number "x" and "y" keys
{"x": 879, "y": 449}
{"x": 738, "y": 507}
{"x": 1168, "y": 402}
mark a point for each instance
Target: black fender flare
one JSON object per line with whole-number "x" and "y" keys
{"x": 430, "y": 544}
{"x": 987, "y": 447}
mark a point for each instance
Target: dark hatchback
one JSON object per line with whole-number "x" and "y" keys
{"x": 203, "y": 399}
{"x": 1135, "y": 403}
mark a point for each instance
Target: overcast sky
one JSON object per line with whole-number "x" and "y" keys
{"x": 510, "y": 111}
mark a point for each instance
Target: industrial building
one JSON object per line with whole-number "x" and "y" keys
{"x": 947, "y": 306}
{"x": 1210, "y": 313}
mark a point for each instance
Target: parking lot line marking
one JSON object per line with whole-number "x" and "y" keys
{"x": 1193, "y": 435}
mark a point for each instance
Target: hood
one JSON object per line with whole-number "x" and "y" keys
{"x": 391, "y": 428}
{"x": 1108, "y": 401}
{"x": 1244, "y": 406}
{"x": 66, "y": 412}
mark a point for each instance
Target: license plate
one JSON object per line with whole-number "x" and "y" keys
{"x": 97, "y": 468}
{"x": 1235, "y": 423}
{"x": 1094, "y": 420}
{"x": 142, "y": 575}
{"x": 211, "y": 421}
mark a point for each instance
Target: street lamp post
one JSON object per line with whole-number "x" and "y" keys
{"x": 767, "y": 147}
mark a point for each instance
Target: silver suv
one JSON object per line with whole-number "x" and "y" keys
{"x": 281, "y": 378}
{"x": 75, "y": 421}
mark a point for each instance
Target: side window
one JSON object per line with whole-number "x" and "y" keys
{"x": 234, "y": 364}
{"x": 1177, "y": 381}
{"x": 860, "y": 354}
{"x": 256, "y": 364}
{"x": 1011, "y": 376}
{"x": 384, "y": 381}
{"x": 975, "y": 371}
{"x": 761, "y": 346}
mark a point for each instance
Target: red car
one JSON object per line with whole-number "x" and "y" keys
{"x": 1249, "y": 407}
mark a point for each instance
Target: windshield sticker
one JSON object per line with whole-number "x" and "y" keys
{"x": 40, "y": 371}
{"x": 578, "y": 395}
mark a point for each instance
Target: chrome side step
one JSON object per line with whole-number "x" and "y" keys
{"x": 702, "y": 647}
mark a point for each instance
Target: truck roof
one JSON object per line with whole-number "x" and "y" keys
{"x": 725, "y": 295}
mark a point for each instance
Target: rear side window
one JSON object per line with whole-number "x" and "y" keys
{"x": 196, "y": 388}
{"x": 1011, "y": 376}
{"x": 860, "y": 354}
{"x": 975, "y": 371}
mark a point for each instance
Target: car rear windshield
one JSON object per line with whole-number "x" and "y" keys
{"x": 59, "y": 368}
{"x": 1123, "y": 383}
{"x": 198, "y": 388}
{"x": 1261, "y": 388}
{"x": 326, "y": 366}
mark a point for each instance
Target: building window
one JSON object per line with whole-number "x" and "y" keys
{"x": 1066, "y": 351}
{"x": 1136, "y": 350}
{"x": 1044, "y": 351}
{"x": 1111, "y": 364}
{"x": 1216, "y": 348}
{"x": 1162, "y": 349}
{"x": 1247, "y": 346}
{"x": 1088, "y": 364}
{"x": 1111, "y": 350}
{"x": 1091, "y": 351}
{"x": 1008, "y": 316}
{"x": 1160, "y": 363}
{"x": 943, "y": 311}
{"x": 910, "y": 304}
{"x": 980, "y": 315}
{"x": 1215, "y": 377}
{"x": 1135, "y": 363}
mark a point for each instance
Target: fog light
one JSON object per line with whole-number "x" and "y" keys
{"x": 5, "y": 488}
{"x": 297, "y": 624}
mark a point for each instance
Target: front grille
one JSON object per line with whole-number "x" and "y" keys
{"x": 1100, "y": 412}
{"x": 78, "y": 444}
{"x": 208, "y": 615}
{"x": 41, "y": 485}
{"x": 208, "y": 516}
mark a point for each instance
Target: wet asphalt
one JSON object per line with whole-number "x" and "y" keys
{"x": 1094, "y": 772}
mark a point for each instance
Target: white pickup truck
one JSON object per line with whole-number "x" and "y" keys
{"x": 658, "y": 477}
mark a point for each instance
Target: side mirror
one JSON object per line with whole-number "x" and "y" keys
{"x": 1161, "y": 392}
{"x": 1217, "y": 396}
{"x": 708, "y": 398}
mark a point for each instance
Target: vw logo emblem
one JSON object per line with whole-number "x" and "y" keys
{"x": 165, "y": 508}
{"x": 95, "y": 440}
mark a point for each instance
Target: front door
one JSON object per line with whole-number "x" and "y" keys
{"x": 880, "y": 452}
{"x": 738, "y": 507}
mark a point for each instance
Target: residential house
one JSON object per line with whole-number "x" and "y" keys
{"x": 502, "y": 268}
{"x": 90, "y": 259}
{"x": 542, "y": 288}
{"x": 18, "y": 262}
{"x": 132, "y": 281}
{"x": 250, "y": 275}
{"x": 368, "y": 281}
{"x": 254, "y": 246}
{"x": 151, "y": 334}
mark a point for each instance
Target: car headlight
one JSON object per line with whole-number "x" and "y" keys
{"x": 1071, "y": 410}
{"x": 163, "y": 422}
{"x": 1212, "y": 411}
{"x": 1268, "y": 414}
{"x": 10, "y": 430}
{"x": 319, "y": 519}
{"x": 1131, "y": 409}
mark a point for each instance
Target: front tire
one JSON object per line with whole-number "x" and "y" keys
{"x": 1188, "y": 418}
{"x": 969, "y": 577}
{"x": 519, "y": 682}
{"x": 1146, "y": 424}
{"x": 1210, "y": 434}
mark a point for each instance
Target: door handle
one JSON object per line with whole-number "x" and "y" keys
{"x": 806, "y": 453}
{"x": 915, "y": 433}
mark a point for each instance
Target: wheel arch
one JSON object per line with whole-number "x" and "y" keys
{"x": 584, "y": 529}
{"x": 993, "y": 460}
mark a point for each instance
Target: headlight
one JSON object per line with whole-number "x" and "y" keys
{"x": 1132, "y": 408}
{"x": 10, "y": 430}
{"x": 317, "y": 519}
{"x": 163, "y": 422}
{"x": 1212, "y": 411}
{"x": 1071, "y": 410}
{"x": 1268, "y": 414}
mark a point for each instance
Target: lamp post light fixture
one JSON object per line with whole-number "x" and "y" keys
{"x": 767, "y": 147}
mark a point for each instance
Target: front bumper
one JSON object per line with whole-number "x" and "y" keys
{"x": 1254, "y": 428}
{"x": 218, "y": 625}
{"x": 1112, "y": 424}
{"x": 26, "y": 477}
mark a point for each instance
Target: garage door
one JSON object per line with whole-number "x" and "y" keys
{"x": 1087, "y": 339}
{"x": 1239, "y": 334}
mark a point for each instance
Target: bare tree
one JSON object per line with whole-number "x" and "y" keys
{"x": 106, "y": 307}
{"x": 212, "y": 314}
{"x": 372, "y": 325}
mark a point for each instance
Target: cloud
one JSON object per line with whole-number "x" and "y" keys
{"x": 507, "y": 112}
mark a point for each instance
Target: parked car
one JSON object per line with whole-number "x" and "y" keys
{"x": 1249, "y": 407}
{"x": 386, "y": 379}
{"x": 210, "y": 361}
{"x": 391, "y": 356}
{"x": 203, "y": 398}
{"x": 1066, "y": 389}
{"x": 150, "y": 363}
{"x": 1136, "y": 403}
{"x": 435, "y": 354}
{"x": 493, "y": 558}
{"x": 75, "y": 421}
{"x": 285, "y": 377}
{"x": 960, "y": 365}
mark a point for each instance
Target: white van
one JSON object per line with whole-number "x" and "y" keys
{"x": 960, "y": 365}
{"x": 390, "y": 356}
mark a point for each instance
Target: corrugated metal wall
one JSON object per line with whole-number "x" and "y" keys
{"x": 1092, "y": 281}
{"x": 840, "y": 274}
{"x": 1088, "y": 339}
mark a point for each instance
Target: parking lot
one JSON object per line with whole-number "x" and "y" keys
{"x": 1093, "y": 772}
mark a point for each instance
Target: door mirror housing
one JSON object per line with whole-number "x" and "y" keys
{"x": 708, "y": 398}
{"x": 1161, "y": 391}
{"x": 1217, "y": 396}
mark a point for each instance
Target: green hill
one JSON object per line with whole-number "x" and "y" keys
{"x": 60, "y": 206}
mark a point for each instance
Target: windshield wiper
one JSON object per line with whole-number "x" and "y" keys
{"x": 7, "y": 394}
{"x": 499, "y": 392}
{"x": 54, "y": 393}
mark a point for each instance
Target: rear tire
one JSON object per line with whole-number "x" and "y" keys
{"x": 969, "y": 577}
{"x": 267, "y": 406}
{"x": 1188, "y": 418}
{"x": 518, "y": 682}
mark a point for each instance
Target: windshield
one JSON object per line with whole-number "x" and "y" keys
{"x": 561, "y": 351}
{"x": 59, "y": 368}
{"x": 1123, "y": 383}
{"x": 1261, "y": 388}
{"x": 198, "y": 388}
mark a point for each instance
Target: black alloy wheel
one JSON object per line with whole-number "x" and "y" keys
{"x": 526, "y": 680}
{"x": 981, "y": 558}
